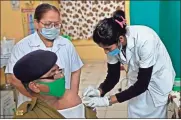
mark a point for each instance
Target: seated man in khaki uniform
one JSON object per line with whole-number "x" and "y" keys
{"x": 46, "y": 82}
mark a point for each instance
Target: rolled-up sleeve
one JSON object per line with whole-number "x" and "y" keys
{"x": 76, "y": 62}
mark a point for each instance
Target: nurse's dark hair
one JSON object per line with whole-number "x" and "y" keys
{"x": 108, "y": 31}
{"x": 42, "y": 9}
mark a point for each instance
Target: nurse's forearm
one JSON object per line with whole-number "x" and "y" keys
{"x": 141, "y": 85}
{"x": 75, "y": 80}
{"x": 112, "y": 78}
{"x": 17, "y": 84}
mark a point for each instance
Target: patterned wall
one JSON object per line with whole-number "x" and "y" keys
{"x": 80, "y": 17}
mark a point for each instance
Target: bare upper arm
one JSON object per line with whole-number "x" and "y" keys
{"x": 70, "y": 99}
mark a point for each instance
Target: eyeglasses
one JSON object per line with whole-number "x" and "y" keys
{"x": 50, "y": 25}
{"x": 52, "y": 77}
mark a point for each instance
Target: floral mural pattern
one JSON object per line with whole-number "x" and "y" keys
{"x": 79, "y": 18}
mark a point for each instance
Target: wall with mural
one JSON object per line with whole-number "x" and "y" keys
{"x": 79, "y": 18}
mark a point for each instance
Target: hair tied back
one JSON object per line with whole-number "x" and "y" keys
{"x": 121, "y": 23}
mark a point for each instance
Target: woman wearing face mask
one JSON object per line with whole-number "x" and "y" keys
{"x": 48, "y": 25}
{"x": 150, "y": 71}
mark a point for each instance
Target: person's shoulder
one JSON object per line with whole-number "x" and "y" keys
{"x": 65, "y": 42}
{"x": 62, "y": 40}
{"x": 25, "y": 42}
{"x": 141, "y": 33}
{"x": 36, "y": 108}
{"x": 23, "y": 110}
{"x": 141, "y": 29}
{"x": 24, "y": 107}
{"x": 138, "y": 28}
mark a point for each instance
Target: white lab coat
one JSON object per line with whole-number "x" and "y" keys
{"x": 68, "y": 59}
{"x": 145, "y": 49}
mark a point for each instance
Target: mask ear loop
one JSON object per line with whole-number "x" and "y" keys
{"x": 119, "y": 44}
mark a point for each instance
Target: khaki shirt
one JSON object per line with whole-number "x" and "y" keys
{"x": 39, "y": 109}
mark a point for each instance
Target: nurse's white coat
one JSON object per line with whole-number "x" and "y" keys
{"x": 145, "y": 49}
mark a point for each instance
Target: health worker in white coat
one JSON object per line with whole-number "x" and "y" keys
{"x": 48, "y": 25}
{"x": 150, "y": 70}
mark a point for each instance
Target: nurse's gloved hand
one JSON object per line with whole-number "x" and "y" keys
{"x": 96, "y": 101}
{"x": 91, "y": 91}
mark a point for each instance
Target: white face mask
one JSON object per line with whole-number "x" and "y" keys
{"x": 50, "y": 33}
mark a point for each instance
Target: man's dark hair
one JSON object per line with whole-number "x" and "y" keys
{"x": 26, "y": 86}
{"x": 42, "y": 9}
{"x": 107, "y": 31}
